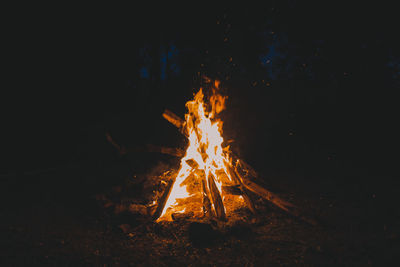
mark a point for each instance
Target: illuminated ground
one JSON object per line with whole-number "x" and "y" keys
{"x": 44, "y": 222}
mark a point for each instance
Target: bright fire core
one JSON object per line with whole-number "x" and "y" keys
{"x": 205, "y": 166}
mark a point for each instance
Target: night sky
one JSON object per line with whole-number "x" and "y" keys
{"x": 307, "y": 83}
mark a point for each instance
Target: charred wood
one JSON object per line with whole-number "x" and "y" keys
{"x": 192, "y": 163}
{"x": 163, "y": 199}
{"x": 176, "y": 216}
{"x": 231, "y": 190}
{"x": 216, "y": 198}
{"x": 174, "y": 119}
{"x": 207, "y": 210}
{"x": 244, "y": 192}
{"x": 264, "y": 193}
{"x": 248, "y": 200}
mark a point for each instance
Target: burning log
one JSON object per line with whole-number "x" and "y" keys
{"x": 245, "y": 194}
{"x": 193, "y": 164}
{"x": 207, "y": 210}
{"x": 243, "y": 180}
{"x": 207, "y": 169}
{"x": 216, "y": 198}
{"x": 177, "y": 216}
{"x": 249, "y": 201}
{"x": 239, "y": 190}
{"x": 163, "y": 199}
{"x": 179, "y": 123}
{"x": 264, "y": 193}
{"x": 174, "y": 119}
{"x": 223, "y": 177}
{"x": 205, "y": 152}
{"x": 232, "y": 190}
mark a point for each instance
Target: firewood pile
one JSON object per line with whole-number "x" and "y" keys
{"x": 229, "y": 177}
{"x": 247, "y": 183}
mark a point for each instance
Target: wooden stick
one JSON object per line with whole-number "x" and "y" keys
{"x": 163, "y": 199}
{"x": 174, "y": 119}
{"x": 248, "y": 200}
{"x": 264, "y": 193}
{"x": 207, "y": 211}
{"x": 271, "y": 197}
{"x": 251, "y": 185}
{"x": 192, "y": 163}
{"x": 181, "y": 216}
{"x": 245, "y": 194}
{"x": 216, "y": 198}
{"x": 232, "y": 190}
{"x": 179, "y": 123}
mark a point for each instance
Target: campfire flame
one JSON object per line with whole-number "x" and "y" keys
{"x": 211, "y": 180}
{"x": 204, "y": 168}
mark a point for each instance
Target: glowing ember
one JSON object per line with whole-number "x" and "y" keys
{"x": 205, "y": 166}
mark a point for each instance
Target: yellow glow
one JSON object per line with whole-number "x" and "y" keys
{"x": 204, "y": 149}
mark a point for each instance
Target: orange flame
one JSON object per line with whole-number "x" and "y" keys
{"x": 204, "y": 156}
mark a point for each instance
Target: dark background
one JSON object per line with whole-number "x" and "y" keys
{"x": 308, "y": 84}
{"x": 312, "y": 107}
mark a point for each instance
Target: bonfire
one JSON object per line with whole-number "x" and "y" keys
{"x": 211, "y": 180}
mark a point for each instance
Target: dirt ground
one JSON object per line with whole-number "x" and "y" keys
{"x": 53, "y": 218}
